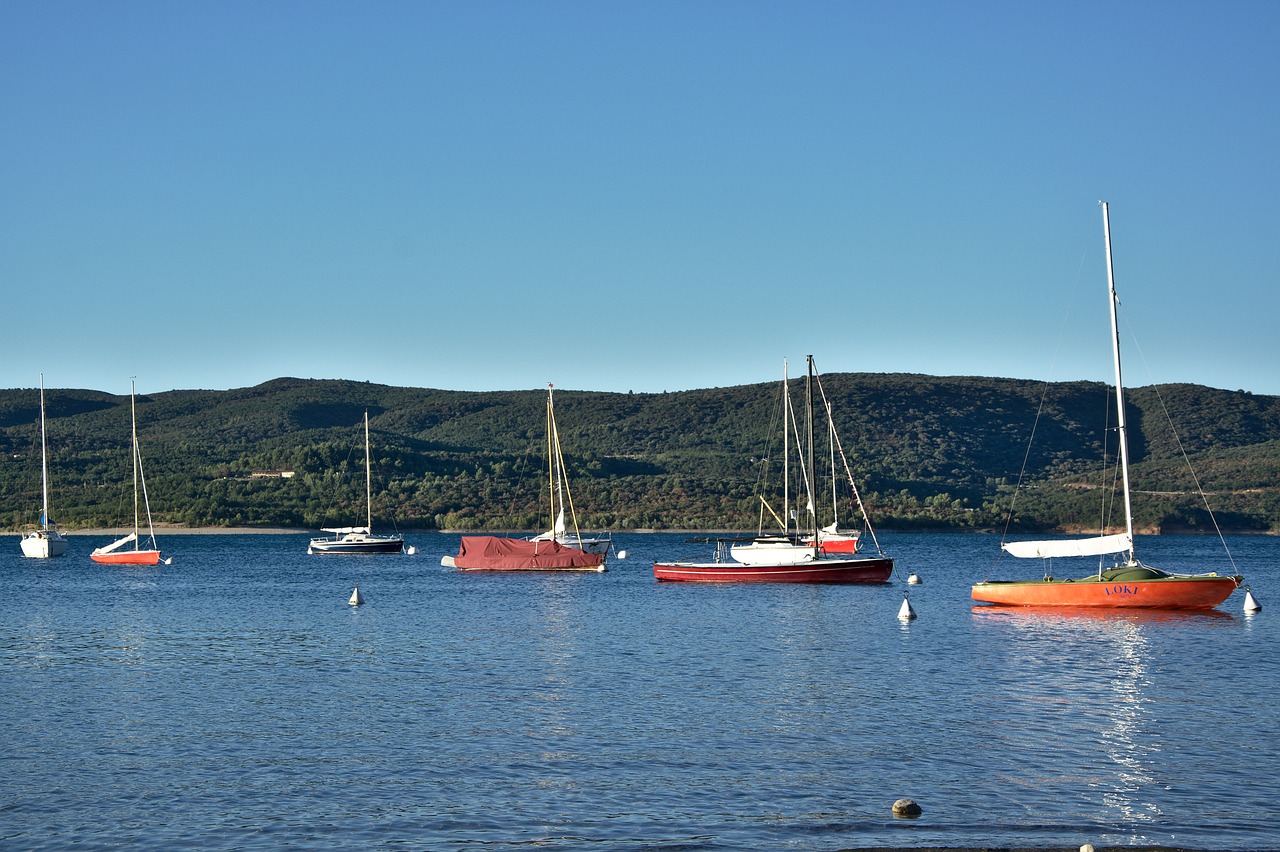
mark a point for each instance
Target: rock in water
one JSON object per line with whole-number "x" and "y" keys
{"x": 906, "y": 807}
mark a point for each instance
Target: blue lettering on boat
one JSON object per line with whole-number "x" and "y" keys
{"x": 1122, "y": 590}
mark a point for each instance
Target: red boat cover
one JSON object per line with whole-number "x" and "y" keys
{"x": 514, "y": 554}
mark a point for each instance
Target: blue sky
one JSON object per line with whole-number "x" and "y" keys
{"x": 636, "y": 196}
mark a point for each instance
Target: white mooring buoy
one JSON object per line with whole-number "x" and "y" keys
{"x": 1250, "y": 602}
{"x": 905, "y": 612}
{"x": 411, "y": 550}
{"x": 914, "y": 579}
{"x": 356, "y": 598}
{"x": 622, "y": 554}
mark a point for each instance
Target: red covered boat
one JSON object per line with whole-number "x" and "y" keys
{"x": 492, "y": 553}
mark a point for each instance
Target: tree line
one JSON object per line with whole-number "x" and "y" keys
{"x": 927, "y": 452}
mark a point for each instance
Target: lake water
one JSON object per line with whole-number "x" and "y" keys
{"x": 235, "y": 700}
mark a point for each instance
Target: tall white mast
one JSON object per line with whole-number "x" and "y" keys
{"x": 1115, "y": 352}
{"x": 786, "y": 450}
{"x": 44, "y": 465}
{"x": 811, "y": 485}
{"x": 553, "y": 462}
{"x": 835, "y": 499}
{"x": 133, "y": 417}
{"x": 368, "y": 478}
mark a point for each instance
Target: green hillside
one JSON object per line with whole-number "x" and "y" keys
{"x": 928, "y": 452}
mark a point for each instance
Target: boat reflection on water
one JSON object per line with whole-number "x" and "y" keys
{"x": 1062, "y": 614}
{"x": 1075, "y": 688}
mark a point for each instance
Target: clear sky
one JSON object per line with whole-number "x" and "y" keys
{"x": 636, "y": 195}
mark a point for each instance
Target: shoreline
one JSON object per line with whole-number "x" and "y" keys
{"x": 119, "y": 531}
{"x": 183, "y": 530}
{"x": 1025, "y": 849}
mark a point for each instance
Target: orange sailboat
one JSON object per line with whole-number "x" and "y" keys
{"x": 1128, "y": 583}
{"x": 112, "y": 554}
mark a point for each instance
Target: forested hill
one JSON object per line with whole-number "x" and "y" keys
{"x": 941, "y": 452}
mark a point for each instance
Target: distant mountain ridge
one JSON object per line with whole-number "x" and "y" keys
{"x": 928, "y": 451}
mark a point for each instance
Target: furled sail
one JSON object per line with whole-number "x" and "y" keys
{"x": 344, "y": 530}
{"x": 1096, "y": 546}
{"x": 116, "y": 544}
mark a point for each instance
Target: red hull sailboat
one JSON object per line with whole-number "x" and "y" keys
{"x": 1128, "y": 583}
{"x": 832, "y": 540}
{"x": 861, "y": 569}
{"x": 126, "y": 557}
{"x": 111, "y": 554}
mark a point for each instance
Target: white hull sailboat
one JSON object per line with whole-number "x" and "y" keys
{"x": 357, "y": 540}
{"x": 45, "y": 541}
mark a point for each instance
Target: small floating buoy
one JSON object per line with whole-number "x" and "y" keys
{"x": 906, "y": 808}
{"x": 356, "y": 598}
{"x": 914, "y": 579}
{"x": 168, "y": 560}
{"x": 622, "y": 554}
{"x": 1250, "y": 602}
{"x": 905, "y": 612}
{"x": 411, "y": 550}
{"x": 1088, "y": 847}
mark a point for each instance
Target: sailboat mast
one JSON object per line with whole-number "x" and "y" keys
{"x": 835, "y": 499}
{"x": 368, "y": 478}
{"x": 44, "y": 464}
{"x": 553, "y": 473}
{"x": 786, "y": 449}
{"x": 808, "y": 399}
{"x": 1115, "y": 352}
{"x": 133, "y": 417}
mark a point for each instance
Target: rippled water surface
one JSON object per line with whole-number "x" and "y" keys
{"x": 234, "y": 699}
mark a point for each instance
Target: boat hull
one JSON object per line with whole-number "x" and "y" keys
{"x": 838, "y": 543}
{"x": 1201, "y": 591}
{"x": 349, "y": 545}
{"x": 43, "y": 545}
{"x": 865, "y": 570}
{"x": 127, "y": 557}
